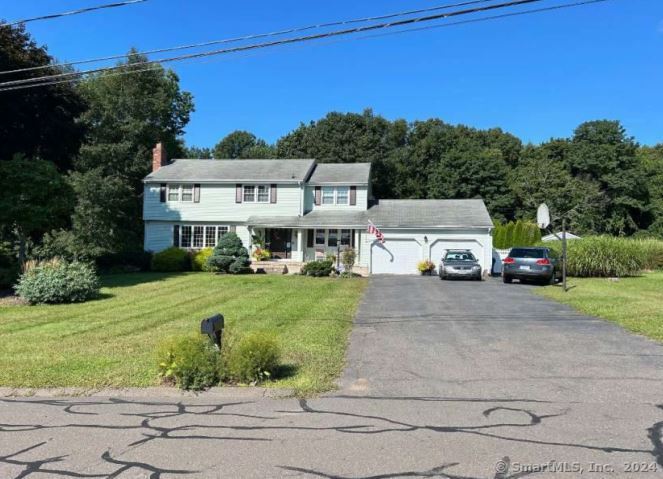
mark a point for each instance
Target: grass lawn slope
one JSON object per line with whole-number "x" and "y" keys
{"x": 110, "y": 341}
{"x": 634, "y": 303}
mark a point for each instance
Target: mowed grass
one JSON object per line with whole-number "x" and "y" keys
{"x": 634, "y": 303}
{"x": 109, "y": 342}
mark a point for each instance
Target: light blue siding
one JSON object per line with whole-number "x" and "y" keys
{"x": 158, "y": 236}
{"x": 362, "y": 201}
{"x": 217, "y": 203}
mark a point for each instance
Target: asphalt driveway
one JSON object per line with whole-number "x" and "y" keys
{"x": 444, "y": 379}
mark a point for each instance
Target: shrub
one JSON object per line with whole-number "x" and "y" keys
{"x": 348, "y": 258}
{"x": 603, "y": 256}
{"x": 171, "y": 259}
{"x": 9, "y": 269}
{"x": 199, "y": 259}
{"x": 229, "y": 256}
{"x": 124, "y": 262}
{"x": 57, "y": 281}
{"x": 318, "y": 268}
{"x": 262, "y": 254}
{"x": 190, "y": 362}
{"x": 425, "y": 266}
{"x": 254, "y": 358}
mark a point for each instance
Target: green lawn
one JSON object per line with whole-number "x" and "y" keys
{"x": 110, "y": 341}
{"x": 634, "y": 303}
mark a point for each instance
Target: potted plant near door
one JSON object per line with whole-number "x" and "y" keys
{"x": 426, "y": 267}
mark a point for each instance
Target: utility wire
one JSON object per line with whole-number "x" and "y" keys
{"x": 316, "y": 36}
{"x": 254, "y": 36}
{"x": 461, "y": 22}
{"x": 74, "y": 12}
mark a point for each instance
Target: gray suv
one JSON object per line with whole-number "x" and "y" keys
{"x": 537, "y": 264}
{"x": 459, "y": 263}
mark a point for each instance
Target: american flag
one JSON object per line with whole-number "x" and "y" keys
{"x": 372, "y": 229}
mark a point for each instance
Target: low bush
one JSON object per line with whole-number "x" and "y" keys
{"x": 348, "y": 258}
{"x": 190, "y": 362}
{"x": 425, "y": 266}
{"x": 261, "y": 254}
{"x": 253, "y": 358}
{"x": 57, "y": 281}
{"x": 229, "y": 256}
{"x": 171, "y": 259}
{"x": 318, "y": 268}
{"x": 199, "y": 259}
{"x": 9, "y": 270}
{"x": 603, "y": 256}
{"x": 124, "y": 262}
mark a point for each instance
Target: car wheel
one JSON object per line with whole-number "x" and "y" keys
{"x": 507, "y": 279}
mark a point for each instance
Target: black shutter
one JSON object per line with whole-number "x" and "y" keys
{"x": 272, "y": 196}
{"x": 353, "y": 195}
{"x": 352, "y": 238}
{"x": 196, "y": 193}
{"x": 318, "y": 195}
{"x": 310, "y": 234}
{"x": 176, "y": 236}
{"x": 162, "y": 193}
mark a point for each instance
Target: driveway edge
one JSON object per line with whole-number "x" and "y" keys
{"x": 150, "y": 392}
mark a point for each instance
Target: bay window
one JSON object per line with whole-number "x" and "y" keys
{"x": 320, "y": 237}
{"x": 198, "y": 236}
{"x": 185, "y": 237}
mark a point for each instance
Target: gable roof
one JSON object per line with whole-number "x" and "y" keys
{"x": 233, "y": 171}
{"x": 429, "y": 213}
{"x": 391, "y": 214}
{"x": 341, "y": 173}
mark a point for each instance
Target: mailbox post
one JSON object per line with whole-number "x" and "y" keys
{"x": 213, "y": 327}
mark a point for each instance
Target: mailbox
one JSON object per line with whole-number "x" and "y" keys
{"x": 213, "y": 327}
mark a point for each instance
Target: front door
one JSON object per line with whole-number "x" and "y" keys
{"x": 278, "y": 242}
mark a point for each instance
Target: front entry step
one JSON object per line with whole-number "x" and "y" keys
{"x": 276, "y": 267}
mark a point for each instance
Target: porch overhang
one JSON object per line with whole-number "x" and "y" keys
{"x": 314, "y": 219}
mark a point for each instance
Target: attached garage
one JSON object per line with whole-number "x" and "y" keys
{"x": 415, "y": 230}
{"x": 395, "y": 256}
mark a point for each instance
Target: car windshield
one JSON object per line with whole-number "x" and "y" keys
{"x": 527, "y": 253}
{"x": 459, "y": 256}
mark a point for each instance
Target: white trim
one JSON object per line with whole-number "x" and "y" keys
{"x": 171, "y": 187}
{"x": 256, "y": 187}
{"x": 205, "y": 227}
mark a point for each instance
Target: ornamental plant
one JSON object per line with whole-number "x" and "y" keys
{"x": 57, "y": 281}
{"x": 229, "y": 256}
{"x": 262, "y": 254}
{"x": 425, "y": 266}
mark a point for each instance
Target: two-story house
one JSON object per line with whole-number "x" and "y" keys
{"x": 303, "y": 210}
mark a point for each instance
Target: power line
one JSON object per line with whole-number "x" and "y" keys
{"x": 282, "y": 42}
{"x": 253, "y": 36}
{"x": 74, "y": 12}
{"x": 461, "y": 22}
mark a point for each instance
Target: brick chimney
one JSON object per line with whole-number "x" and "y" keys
{"x": 159, "y": 157}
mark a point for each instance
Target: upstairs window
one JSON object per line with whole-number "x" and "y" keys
{"x": 256, "y": 194}
{"x": 180, "y": 192}
{"x": 327, "y": 195}
{"x": 335, "y": 195}
{"x": 187, "y": 192}
{"x": 342, "y": 195}
{"x": 173, "y": 192}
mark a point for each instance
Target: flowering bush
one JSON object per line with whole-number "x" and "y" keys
{"x": 262, "y": 254}
{"x": 425, "y": 266}
{"x": 56, "y": 281}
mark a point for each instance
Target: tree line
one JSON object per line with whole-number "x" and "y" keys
{"x": 73, "y": 156}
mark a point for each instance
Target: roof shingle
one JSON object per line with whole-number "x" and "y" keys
{"x": 220, "y": 171}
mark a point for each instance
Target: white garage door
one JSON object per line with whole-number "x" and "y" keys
{"x": 395, "y": 256}
{"x": 440, "y": 246}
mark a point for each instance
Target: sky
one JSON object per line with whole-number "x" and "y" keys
{"x": 536, "y": 76}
